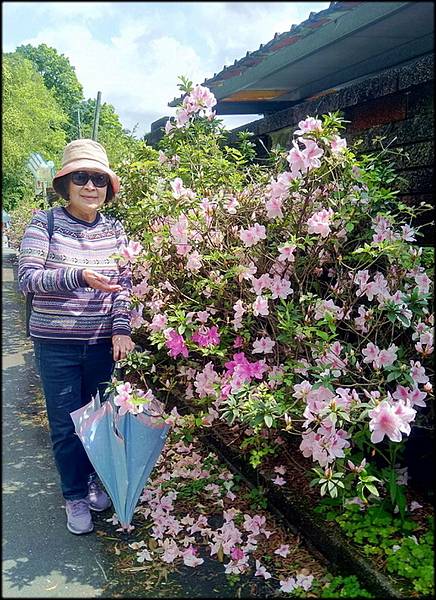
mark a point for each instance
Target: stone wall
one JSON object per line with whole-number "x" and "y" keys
{"x": 396, "y": 104}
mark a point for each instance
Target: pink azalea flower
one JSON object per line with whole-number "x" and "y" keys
{"x": 408, "y": 234}
{"x": 257, "y": 369}
{"x": 194, "y": 262}
{"x": 246, "y": 272}
{"x": 304, "y": 581}
{"x": 423, "y": 282}
{"x": 136, "y": 318}
{"x": 328, "y": 306}
{"x": 413, "y": 396}
{"x": 259, "y": 231}
{"x": 280, "y": 288}
{"x": 231, "y": 206}
{"x": 401, "y": 393}
{"x": 238, "y": 342}
{"x": 309, "y": 124}
{"x": 260, "y": 306}
{"x": 176, "y": 344}
{"x": 177, "y": 187}
{"x": 205, "y": 381}
{"x": 297, "y": 160}
{"x": 312, "y": 153}
{"x": 274, "y": 208}
{"x": 319, "y": 222}
{"x": 301, "y": 390}
{"x": 238, "y": 359}
{"x": 202, "y": 316}
{"x": 281, "y": 469}
{"x": 203, "y": 97}
{"x": 287, "y": 253}
{"x": 141, "y": 289}
{"x": 338, "y": 144}
{"x": 260, "y": 283}
{"x": 261, "y": 571}
{"x": 361, "y": 322}
{"x": 124, "y": 388}
{"x": 130, "y": 251}
{"x": 254, "y": 234}
{"x": 406, "y": 413}
{"x": 171, "y": 551}
{"x": 416, "y": 397}
{"x": 371, "y": 353}
{"x": 283, "y": 550}
{"x": 386, "y": 421}
{"x": 288, "y": 585}
{"x": 237, "y": 553}
{"x": 182, "y": 117}
{"x": 162, "y": 157}
{"x": 179, "y": 229}
{"x": 169, "y": 127}
{"x": 361, "y": 279}
{"x": 247, "y": 236}
{"x": 206, "y": 336}
{"x": 263, "y": 345}
{"x": 123, "y": 401}
{"x": 387, "y": 357}
{"x": 158, "y": 323}
{"x": 279, "y": 480}
{"x": 417, "y": 372}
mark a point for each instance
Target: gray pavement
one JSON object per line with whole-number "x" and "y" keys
{"x": 41, "y": 559}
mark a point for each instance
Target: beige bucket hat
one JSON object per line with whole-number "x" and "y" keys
{"x": 85, "y": 154}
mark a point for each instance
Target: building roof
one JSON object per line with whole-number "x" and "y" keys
{"x": 348, "y": 40}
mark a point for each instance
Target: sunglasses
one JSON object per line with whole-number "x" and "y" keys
{"x": 82, "y": 177}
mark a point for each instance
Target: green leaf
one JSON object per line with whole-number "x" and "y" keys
{"x": 404, "y": 320}
{"x": 322, "y": 334}
{"x": 371, "y": 488}
{"x": 393, "y": 375}
{"x": 268, "y": 420}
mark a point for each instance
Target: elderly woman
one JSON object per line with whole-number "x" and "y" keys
{"x": 80, "y": 322}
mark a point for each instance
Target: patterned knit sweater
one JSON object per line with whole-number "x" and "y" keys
{"x": 64, "y": 309}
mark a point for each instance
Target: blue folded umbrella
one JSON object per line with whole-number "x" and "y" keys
{"x": 122, "y": 449}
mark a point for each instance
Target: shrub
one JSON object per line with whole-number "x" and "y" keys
{"x": 285, "y": 298}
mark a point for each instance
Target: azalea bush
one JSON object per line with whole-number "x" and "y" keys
{"x": 289, "y": 298}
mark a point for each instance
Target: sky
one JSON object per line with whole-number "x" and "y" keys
{"x": 134, "y": 52}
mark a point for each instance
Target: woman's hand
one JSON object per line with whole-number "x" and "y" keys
{"x": 122, "y": 345}
{"x": 100, "y": 282}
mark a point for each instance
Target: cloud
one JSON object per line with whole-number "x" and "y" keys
{"x": 137, "y": 78}
{"x": 78, "y": 10}
{"x": 134, "y": 52}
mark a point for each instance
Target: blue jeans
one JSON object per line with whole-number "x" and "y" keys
{"x": 70, "y": 375}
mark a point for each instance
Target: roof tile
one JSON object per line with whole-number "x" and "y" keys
{"x": 296, "y": 32}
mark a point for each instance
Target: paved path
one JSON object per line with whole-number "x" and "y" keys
{"x": 41, "y": 559}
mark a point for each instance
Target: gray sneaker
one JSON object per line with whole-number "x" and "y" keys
{"x": 97, "y": 498}
{"x": 78, "y": 516}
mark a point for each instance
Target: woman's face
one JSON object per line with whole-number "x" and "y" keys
{"x": 87, "y": 197}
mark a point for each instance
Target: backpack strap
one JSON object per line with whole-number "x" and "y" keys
{"x": 50, "y": 223}
{"x": 30, "y": 295}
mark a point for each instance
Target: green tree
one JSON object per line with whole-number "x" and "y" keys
{"x": 59, "y": 77}
{"x": 119, "y": 142}
{"x": 32, "y": 121}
